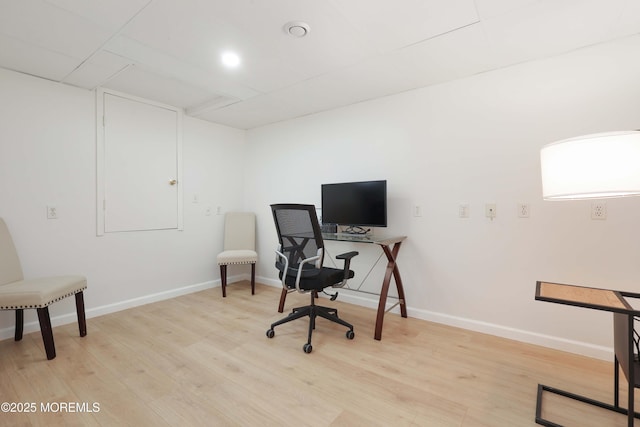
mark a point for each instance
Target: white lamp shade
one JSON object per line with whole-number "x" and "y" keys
{"x": 592, "y": 166}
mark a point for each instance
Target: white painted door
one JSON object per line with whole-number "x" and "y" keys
{"x": 140, "y": 165}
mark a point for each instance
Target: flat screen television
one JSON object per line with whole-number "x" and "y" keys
{"x": 355, "y": 203}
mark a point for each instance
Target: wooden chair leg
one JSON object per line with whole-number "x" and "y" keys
{"x": 223, "y": 280}
{"x": 253, "y": 278}
{"x": 82, "y": 321}
{"x": 47, "y": 333}
{"x": 19, "y": 324}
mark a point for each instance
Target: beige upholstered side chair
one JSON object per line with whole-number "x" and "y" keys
{"x": 19, "y": 294}
{"x": 239, "y": 245}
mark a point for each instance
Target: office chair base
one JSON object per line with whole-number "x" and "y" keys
{"x": 313, "y": 311}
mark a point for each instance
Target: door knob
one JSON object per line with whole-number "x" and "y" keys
{"x": 173, "y": 182}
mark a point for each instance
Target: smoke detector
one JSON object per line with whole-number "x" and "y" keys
{"x": 296, "y": 29}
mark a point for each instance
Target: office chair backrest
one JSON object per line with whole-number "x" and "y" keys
{"x": 298, "y": 233}
{"x": 10, "y": 270}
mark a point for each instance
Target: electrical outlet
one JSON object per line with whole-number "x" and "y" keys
{"x": 52, "y": 212}
{"x": 523, "y": 210}
{"x": 417, "y": 210}
{"x": 463, "y": 210}
{"x": 599, "y": 210}
{"x": 490, "y": 210}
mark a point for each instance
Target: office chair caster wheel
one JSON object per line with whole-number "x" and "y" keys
{"x": 307, "y": 348}
{"x": 350, "y": 334}
{"x": 270, "y": 333}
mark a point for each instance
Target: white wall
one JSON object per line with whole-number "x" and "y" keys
{"x": 476, "y": 141}
{"x": 47, "y": 156}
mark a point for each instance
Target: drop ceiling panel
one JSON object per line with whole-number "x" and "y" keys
{"x": 320, "y": 94}
{"x": 489, "y": 8}
{"x": 98, "y": 70}
{"x": 628, "y": 22}
{"x": 110, "y": 14}
{"x": 459, "y": 53}
{"x": 212, "y": 103}
{"x": 186, "y": 30}
{"x": 547, "y": 28}
{"x": 288, "y": 60}
{"x": 393, "y": 24}
{"x": 254, "y": 112}
{"x": 42, "y": 24}
{"x": 264, "y": 73}
{"x": 26, "y": 58}
{"x": 145, "y": 84}
{"x": 172, "y": 67}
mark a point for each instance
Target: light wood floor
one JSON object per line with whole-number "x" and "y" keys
{"x": 203, "y": 360}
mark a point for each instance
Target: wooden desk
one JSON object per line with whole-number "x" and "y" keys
{"x": 623, "y": 317}
{"x": 390, "y": 246}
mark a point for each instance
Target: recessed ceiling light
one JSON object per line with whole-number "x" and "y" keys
{"x": 230, "y": 59}
{"x": 296, "y": 28}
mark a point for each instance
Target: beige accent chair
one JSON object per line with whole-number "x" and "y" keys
{"x": 239, "y": 246}
{"x": 19, "y": 294}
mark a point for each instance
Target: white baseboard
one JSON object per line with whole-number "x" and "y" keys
{"x": 71, "y": 317}
{"x": 557, "y": 343}
{"x": 147, "y": 299}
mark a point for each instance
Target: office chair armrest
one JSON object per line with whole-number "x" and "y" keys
{"x": 347, "y": 255}
{"x": 300, "y": 268}
{"x": 347, "y": 262}
{"x": 313, "y": 259}
{"x": 285, "y": 261}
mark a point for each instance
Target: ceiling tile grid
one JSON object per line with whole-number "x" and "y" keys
{"x": 356, "y": 50}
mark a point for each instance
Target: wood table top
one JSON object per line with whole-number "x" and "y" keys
{"x": 581, "y": 296}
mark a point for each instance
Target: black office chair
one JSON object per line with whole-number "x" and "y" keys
{"x": 299, "y": 259}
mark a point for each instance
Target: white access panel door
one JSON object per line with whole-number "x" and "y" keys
{"x": 140, "y": 165}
